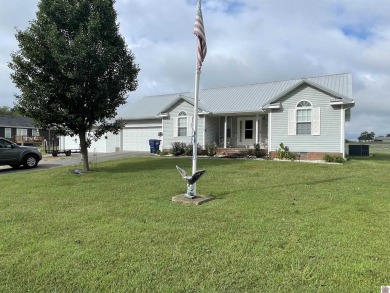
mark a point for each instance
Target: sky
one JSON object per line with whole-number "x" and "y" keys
{"x": 248, "y": 41}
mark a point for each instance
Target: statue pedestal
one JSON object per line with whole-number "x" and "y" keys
{"x": 198, "y": 200}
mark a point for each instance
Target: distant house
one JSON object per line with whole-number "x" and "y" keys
{"x": 308, "y": 115}
{"x": 382, "y": 138}
{"x": 19, "y": 129}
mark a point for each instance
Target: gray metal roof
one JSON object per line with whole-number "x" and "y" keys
{"x": 242, "y": 98}
{"x": 16, "y": 122}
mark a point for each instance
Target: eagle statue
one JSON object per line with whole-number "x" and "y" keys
{"x": 190, "y": 180}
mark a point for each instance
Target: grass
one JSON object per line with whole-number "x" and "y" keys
{"x": 273, "y": 227}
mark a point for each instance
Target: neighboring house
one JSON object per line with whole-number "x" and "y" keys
{"x": 382, "y": 138}
{"x": 17, "y": 127}
{"x": 308, "y": 115}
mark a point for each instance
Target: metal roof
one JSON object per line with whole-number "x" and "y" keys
{"x": 242, "y": 98}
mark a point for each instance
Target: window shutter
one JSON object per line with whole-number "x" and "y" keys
{"x": 175, "y": 127}
{"x": 292, "y": 125}
{"x": 348, "y": 115}
{"x": 190, "y": 122}
{"x": 316, "y": 122}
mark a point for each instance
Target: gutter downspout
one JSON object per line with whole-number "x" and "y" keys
{"x": 342, "y": 134}
{"x": 269, "y": 131}
{"x": 257, "y": 128}
{"x": 225, "y": 133}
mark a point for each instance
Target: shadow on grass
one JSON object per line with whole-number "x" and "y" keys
{"x": 167, "y": 163}
{"x": 225, "y": 194}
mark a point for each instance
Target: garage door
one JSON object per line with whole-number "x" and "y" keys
{"x": 137, "y": 139}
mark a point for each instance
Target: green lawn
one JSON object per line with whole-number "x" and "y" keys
{"x": 273, "y": 227}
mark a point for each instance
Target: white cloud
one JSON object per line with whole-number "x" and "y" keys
{"x": 249, "y": 41}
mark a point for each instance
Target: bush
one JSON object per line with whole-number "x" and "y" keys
{"x": 181, "y": 148}
{"x": 284, "y": 153}
{"x": 259, "y": 153}
{"x": 334, "y": 159}
{"x": 211, "y": 149}
{"x": 178, "y": 148}
{"x": 188, "y": 149}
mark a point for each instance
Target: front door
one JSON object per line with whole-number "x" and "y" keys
{"x": 246, "y": 131}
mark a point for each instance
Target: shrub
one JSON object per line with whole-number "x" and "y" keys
{"x": 181, "y": 148}
{"x": 212, "y": 149}
{"x": 178, "y": 148}
{"x": 188, "y": 149}
{"x": 334, "y": 159}
{"x": 258, "y": 152}
{"x": 284, "y": 153}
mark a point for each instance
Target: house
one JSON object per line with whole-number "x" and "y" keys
{"x": 308, "y": 115}
{"x": 19, "y": 129}
{"x": 382, "y": 138}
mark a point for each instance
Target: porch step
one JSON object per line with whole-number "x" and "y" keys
{"x": 233, "y": 152}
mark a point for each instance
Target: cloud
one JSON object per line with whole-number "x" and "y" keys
{"x": 249, "y": 41}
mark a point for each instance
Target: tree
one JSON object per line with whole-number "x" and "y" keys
{"x": 365, "y": 135}
{"x": 4, "y": 110}
{"x": 74, "y": 69}
{"x": 388, "y": 135}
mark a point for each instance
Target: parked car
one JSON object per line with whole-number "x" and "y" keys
{"x": 15, "y": 155}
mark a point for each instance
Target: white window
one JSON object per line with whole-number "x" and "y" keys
{"x": 182, "y": 125}
{"x": 21, "y": 132}
{"x": 304, "y": 117}
{"x": 304, "y": 120}
{"x": 7, "y": 133}
{"x": 35, "y": 132}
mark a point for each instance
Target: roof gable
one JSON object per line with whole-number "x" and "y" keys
{"x": 313, "y": 84}
{"x": 242, "y": 98}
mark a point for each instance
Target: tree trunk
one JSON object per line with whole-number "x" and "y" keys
{"x": 84, "y": 151}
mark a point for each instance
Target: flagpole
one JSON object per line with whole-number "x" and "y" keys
{"x": 195, "y": 127}
{"x": 201, "y": 54}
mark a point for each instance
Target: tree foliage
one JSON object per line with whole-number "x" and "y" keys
{"x": 74, "y": 69}
{"x": 365, "y": 136}
{"x": 4, "y": 110}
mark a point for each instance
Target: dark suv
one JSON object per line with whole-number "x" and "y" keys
{"x": 15, "y": 155}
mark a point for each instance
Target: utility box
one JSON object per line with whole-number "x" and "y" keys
{"x": 359, "y": 150}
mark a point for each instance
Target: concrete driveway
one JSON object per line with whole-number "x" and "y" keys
{"x": 48, "y": 161}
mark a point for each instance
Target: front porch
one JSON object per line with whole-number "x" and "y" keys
{"x": 238, "y": 134}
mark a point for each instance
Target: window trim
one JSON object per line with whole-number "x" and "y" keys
{"x": 21, "y": 131}
{"x": 306, "y": 107}
{"x": 6, "y": 131}
{"x": 187, "y": 127}
{"x": 315, "y": 120}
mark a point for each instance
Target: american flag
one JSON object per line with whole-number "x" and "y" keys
{"x": 199, "y": 32}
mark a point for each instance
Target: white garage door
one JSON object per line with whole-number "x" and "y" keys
{"x": 137, "y": 139}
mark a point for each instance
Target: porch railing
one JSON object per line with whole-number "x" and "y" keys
{"x": 24, "y": 139}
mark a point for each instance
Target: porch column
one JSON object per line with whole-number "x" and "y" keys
{"x": 342, "y": 134}
{"x": 204, "y": 132}
{"x": 257, "y": 129}
{"x": 261, "y": 128}
{"x": 225, "y": 133}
